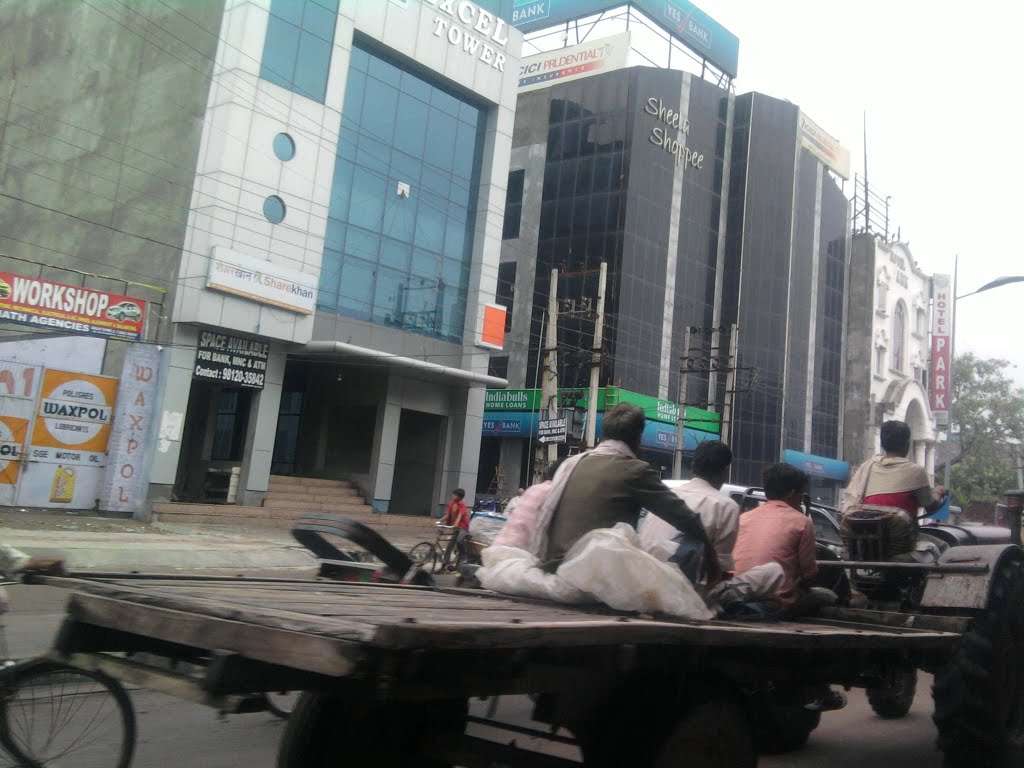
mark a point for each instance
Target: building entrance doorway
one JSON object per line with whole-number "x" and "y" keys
{"x": 213, "y": 443}
{"x": 414, "y": 488}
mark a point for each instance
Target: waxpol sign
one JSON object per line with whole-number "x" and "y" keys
{"x": 474, "y": 30}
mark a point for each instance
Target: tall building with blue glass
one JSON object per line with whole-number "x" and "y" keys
{"x": 315, "y": 207}
{"x": 376, "y": 156}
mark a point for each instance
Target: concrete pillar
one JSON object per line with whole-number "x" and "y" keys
{"x": 385, "y": 447}
{"x": 462, "y": 459}
{"x": 170, "y": 412}
{"x": 261, "y": 433}
{"x": 929, "y": 458}
{"x": 511, "y": 462}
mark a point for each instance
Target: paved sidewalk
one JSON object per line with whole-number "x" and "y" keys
{"x": 88, "y": 542}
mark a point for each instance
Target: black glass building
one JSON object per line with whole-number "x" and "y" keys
{"x": 786, "y": 256}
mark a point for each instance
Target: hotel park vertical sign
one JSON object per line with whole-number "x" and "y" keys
{"x": 940, "y": 380}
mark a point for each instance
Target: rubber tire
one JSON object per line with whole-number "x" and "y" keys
{"x": 423, "y": 553}
{"x": 979, "y": 695}
{"x": 894, "y": 701}
{"x": 341, "y": 730}
{"x": 275, "y": 709}
{"x": 714, "y": 732}
{"x": 780, "y": 728}
{"x": 645, "y": 722}
{"x": 18, "y": 675}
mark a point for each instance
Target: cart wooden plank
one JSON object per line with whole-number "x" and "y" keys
{"x": 397, "y": 617}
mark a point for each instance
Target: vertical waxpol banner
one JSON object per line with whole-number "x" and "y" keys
{"x": 68, "y": 444}
{"x": 125, "y": 484}
{"x": 941, "y": 379}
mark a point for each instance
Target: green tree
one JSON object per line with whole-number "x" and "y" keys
{"x": 988, "y": 412}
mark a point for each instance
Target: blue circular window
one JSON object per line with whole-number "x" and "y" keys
{"x": 274, "y": 209}
{"x": 284, "y": 146}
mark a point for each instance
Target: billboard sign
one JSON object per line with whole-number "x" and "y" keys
{"x": 940, "y": 381}
{"x": 54, "y": 306}
{"x": 823, "y": 146}
{"x": 680, "y": 18}
{"x": 261, "y": 281}
{"x": 73, "y": 419}
{"x": 231, "y": 359}
{"x": 565, "y": 64}
{"x": 12, "y": 446}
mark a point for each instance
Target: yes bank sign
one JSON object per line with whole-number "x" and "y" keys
{"x": 680, "y": 18}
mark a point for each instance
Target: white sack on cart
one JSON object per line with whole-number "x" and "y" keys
{"x": 606, "y": 565}
{"x": 484, "y": 526}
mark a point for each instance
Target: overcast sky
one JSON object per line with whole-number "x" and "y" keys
{"x": 940, "y": 85}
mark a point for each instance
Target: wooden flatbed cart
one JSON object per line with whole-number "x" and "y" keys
{"x": 388, "y": 669}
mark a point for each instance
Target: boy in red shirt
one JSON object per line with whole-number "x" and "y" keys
{"x": 456, "y": 514}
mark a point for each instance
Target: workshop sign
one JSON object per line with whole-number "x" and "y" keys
{"x": 231, "y": 359}
{"x": 52, "y": 306}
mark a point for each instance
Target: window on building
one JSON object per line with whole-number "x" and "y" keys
{"x": 402, "y": 214}
{"x": 513, "y": 204}
{"x": 880, "y": 360}
{"x": 297, "y": 49}
{"x": 899, "y": 330}
{"x": 921, "y": 322}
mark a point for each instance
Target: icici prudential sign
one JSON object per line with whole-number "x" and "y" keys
{"x": 940, "y": 380}
{"x": 477, "y": 32}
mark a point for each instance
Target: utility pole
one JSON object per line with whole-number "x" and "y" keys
{"x": 595, "y": 360}
{"x": 730, "y": 384}
{"x": 677, "y": 460}
{"x": 549, "y": 390}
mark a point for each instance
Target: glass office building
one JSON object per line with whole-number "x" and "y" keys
{"x": 594, "y": 182}
{"x": 786, "y": 255}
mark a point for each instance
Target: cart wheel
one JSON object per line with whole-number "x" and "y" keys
{"x": 979, "y": 695}
{"x": 423, "y": 553}
{"x": 714, "y": 732}
{"x": 699, "y": 725}
{"x": 52, "y": 714}
{"x": 281, "y": 703}
{"x": 341, "y": 730}
{"x": 893, "y": 700}
{"x": 780, "y": 725}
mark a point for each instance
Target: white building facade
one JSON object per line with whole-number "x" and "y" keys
{"x": 887, "y": 350}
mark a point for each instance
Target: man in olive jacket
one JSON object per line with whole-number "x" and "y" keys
{"x": 610, "y": 485}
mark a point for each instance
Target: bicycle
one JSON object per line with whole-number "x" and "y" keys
{"x": 444, "y": 554}
{"x": 54, "y": 715}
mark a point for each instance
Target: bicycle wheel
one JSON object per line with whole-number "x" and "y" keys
{"x": 52, "y": 715}
{"x": 423, "y": 553}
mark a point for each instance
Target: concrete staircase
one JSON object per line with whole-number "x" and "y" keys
{"x": 288, "y": 499}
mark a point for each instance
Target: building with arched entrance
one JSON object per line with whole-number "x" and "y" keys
{"x": 887, "y": 348}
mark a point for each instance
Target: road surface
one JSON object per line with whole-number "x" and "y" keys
{"x": 173, "y": 732}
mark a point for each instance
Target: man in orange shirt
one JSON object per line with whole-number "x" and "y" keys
{"x": 778, "y": 531}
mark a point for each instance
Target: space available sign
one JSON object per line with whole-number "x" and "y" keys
{"x": 940, "y": 382}
{"x": 261, "y": 280}
{"x": 70, "y": 308}
{"x": 231, "y": 360}
{"x": 566, "y": 64}
{"x": 73, "y": 419}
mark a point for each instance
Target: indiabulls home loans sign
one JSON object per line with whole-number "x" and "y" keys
{"x": 69, "y": 308}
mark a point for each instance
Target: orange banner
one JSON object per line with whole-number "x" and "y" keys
{"x": 12, "y": 445}
{"x": 73, "y": 418}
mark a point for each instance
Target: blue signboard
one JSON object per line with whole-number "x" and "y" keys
{"x": 680, "y": 18}
{"x": 818, "y": 466}
{"x": 657, "y": 435}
